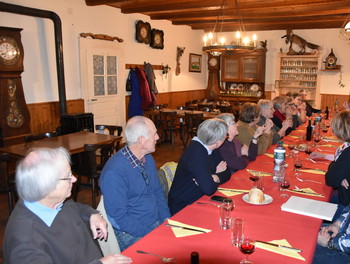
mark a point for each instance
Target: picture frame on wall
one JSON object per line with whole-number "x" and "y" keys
{"x": 195, "y": 62}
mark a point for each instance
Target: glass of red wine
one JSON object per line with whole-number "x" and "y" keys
{"x": 247, "y": 247}
{"x": 291, "y": 148}
{"x": 284, "y": 184}
{"x": 297, "y": 164}
{"x": 254, "y": 178}
{"x": 308, "y": 149}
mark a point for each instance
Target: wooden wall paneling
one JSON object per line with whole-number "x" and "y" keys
{"x": 45, "y": 116}
{"x": 330, "y": 99}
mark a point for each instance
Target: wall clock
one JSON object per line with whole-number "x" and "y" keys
{"x": 143, "y": 32}
{"x": 157, "y": 39}
{"x": 14, "y": 114}
{"x": 331, "y": 61}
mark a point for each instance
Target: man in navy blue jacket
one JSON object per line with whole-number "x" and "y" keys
{"x": 201, "y": 168}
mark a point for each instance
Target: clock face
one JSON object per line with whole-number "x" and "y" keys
{"x": 213, "y": 62}
{"x": 331, "y": 61}
{"x": 9, "y": 51}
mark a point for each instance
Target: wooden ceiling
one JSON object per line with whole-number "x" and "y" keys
{"x": 257, "y": 15}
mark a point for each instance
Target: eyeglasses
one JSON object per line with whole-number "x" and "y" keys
{"x": 145, "y": 177}
{"x": 232, "y": 123}
{"x": 69, "y": 178}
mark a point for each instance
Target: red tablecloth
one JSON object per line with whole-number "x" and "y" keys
{"x": 263, "y": 222}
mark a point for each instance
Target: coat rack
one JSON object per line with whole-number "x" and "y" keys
{"x": 141, "y": 66}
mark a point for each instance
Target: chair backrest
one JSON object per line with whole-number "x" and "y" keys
{"x": 167, "y": 119}
{"x": 40, "y": 136}
{"x": 192, "y": 121}
{"x": 111, "y": 129}
{"x": 110, "y": 246}
{"x": 93, "y": 167}
{"x": 166, "y": 175}
{"x": 4, "y": 172}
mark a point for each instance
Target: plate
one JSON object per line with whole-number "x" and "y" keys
{"x": 233, "y": 86}
{"x": 268, "y": 199}
{"x": 240, "y": 86}
{"x": 254, "y": 88}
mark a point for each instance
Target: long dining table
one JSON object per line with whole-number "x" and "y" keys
{"x": 73, "y": 142}
{"x": 266, "y": 222}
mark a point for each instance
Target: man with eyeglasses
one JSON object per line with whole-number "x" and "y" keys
{"x": 133, "y": 196}
{"x": 44, "y": 228}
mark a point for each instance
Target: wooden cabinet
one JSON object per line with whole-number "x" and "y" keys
{"x": 298, "y": 72}
{"x": 243, "y": 75}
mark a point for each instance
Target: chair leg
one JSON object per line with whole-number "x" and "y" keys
{"x": 10, "y": 202}
{"x": 76, "y": 188}
{"x": 93, "y": 193}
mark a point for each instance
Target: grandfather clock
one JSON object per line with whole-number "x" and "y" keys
{"x": 213, "y": 88}
{"x": 14, "y": 114}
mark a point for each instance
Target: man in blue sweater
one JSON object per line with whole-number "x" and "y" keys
{"x": 201, "y": 168}
{"x": 133, "y": 197}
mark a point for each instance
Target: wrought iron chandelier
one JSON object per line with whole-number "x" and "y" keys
{"x": 215, "y": 43}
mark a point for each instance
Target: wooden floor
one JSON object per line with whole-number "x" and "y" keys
{"x": 165, "y": 152}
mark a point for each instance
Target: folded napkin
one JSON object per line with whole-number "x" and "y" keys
{"x": 259, "y": 173}
{"x": 232, "y": 192}
{"x": 281, "y": 251}
{"x": 178, "y": 232}
{"x": 269, "y": 155}
{"x": 300, "y": 130}
{"x": 292, "y": 136}
{"x": 306, "y": 191}
{"x": 315, "y": 171}
{"x": 327, "y": 145}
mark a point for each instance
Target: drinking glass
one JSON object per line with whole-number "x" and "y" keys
{"x": 308, "y": 149}
{"x": 317, "y": 137}
{"x": 254, "y": 178}
{"x": 284, "y": 184}
{"x": 291, "y": 148}
{"x": 247, "y": 247}
{"x": 237, "y": 231}
{"x": 297, "y": 164}
{"x": 226, "y": 209}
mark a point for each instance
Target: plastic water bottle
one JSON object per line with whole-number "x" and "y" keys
{"x": 279, "y": 154}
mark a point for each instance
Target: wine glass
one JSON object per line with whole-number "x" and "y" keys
{"x": 254, "y": 178}
{"x": 284, "y": 184}
{"x": 317, "y": 137}
{"x": 291, "y": 148}
{"x": 297, "y": 164}
{"x": 247, "y": 247}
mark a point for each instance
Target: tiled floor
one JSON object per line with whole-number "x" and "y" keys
{"x": 165, "y": 152}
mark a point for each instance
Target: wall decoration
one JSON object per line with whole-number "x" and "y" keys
{"x": 179, "y": 52}
{"x": 195, "y": 62}
{"x": 157, "y": 39}
{"x": 292, "y": 38}
{"x": 100, "y": 36}
{"x": 143, "y": 32}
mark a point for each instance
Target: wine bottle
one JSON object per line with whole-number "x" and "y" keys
{"x": 194, "y": 257}
{"x": 309, "y": 131}
{"x": 326, "y": 113}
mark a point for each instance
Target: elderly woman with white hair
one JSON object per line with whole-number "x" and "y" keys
{"x": 233, "y": 152}
{"x": 201, "y": 168}
{"x": 266, "y": 113}
{"x": 43, "y": 228}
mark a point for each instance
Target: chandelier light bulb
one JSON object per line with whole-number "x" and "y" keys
{"x": 222, "y": 40}
{"x": 254, "y": 40}
{"x": 347, "y": 27}
{"x": 246, "y": 41}
{"x": 210, "y": 36}
{"x": 205, "y": 39}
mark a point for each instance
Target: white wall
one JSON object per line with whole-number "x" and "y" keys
{"x": 39, "y": 78}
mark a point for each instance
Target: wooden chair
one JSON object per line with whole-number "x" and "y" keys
{"x": 111, "y": 130}
{"x": 192, "y": 122}
{"x": 224, "y": 108}
{"x": 91, "y": 165}
{"x": 7, "y": 183}
{"x": 169, "y": 125}
{"x": 40, "y": 136}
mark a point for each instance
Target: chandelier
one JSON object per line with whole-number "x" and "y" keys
{"x": 345, "y": 29}
{"x": 215, "y": 43}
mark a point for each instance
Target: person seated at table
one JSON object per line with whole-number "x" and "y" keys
{"x": 266, "y": 113}
{"x": 44, "y": 228}
{"x": 284, "y": 109}
{"x": 333, "y": 241}
{"x": 201, "y": 169}
{"x": 133, "y": 196}
{"x": 299, "y": 104}
{"x": 337, "y": 175}
{"x": 309, "y": 109}
{"x": 236, "y": 155}
{"x": 249, "y": 116}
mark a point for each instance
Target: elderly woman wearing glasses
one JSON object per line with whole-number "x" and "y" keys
{"x": 43, "y": 228}
{"x": 236, "y": 155}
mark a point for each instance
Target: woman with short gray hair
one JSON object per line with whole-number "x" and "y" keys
{"x": 234, "y": 153}
{"x": 201, "y": 168}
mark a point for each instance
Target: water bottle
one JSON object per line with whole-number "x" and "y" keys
{"x": 279, "y": 155}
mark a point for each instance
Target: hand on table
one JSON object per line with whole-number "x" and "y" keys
{"x": 116, "y": 259}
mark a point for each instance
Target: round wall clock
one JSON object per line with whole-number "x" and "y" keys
{"x": 213, "y": 62}
{"x": 157, "y": 39}
{"x": 143, "y": 32}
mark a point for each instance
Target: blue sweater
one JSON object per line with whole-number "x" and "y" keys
{"x": 342, "y": 239}
{"x": 131, "y": 205}
{"x": 193, "y": 176}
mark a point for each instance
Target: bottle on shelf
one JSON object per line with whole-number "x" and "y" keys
{"x": 309, "y": 131}
{"x": 326, "y": 113}
{"x": 279, "y": 155}
{"x": 194, "y": 257}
